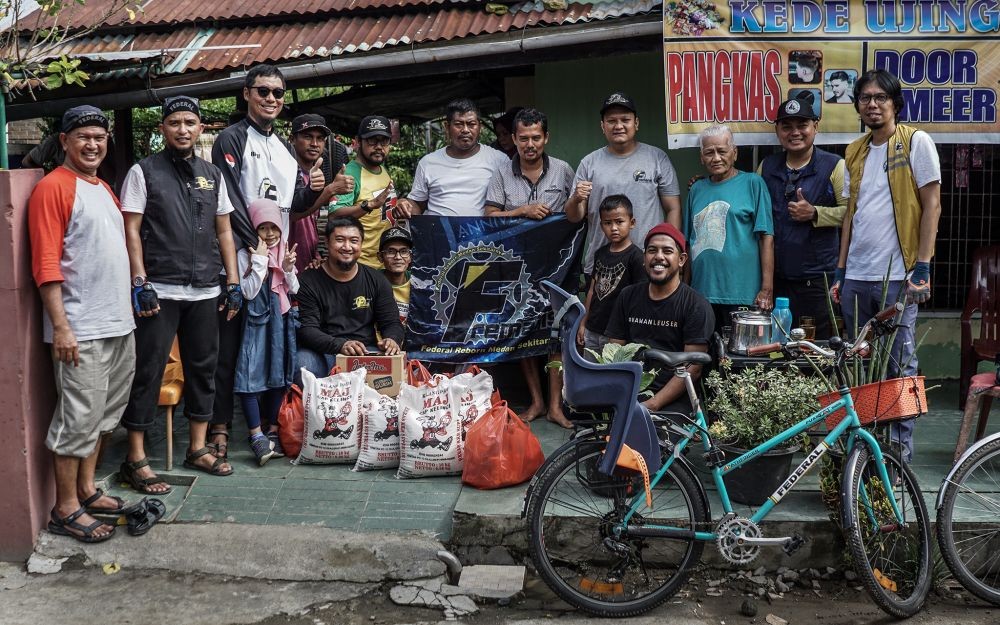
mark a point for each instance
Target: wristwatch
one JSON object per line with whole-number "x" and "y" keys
{"x": 366, "y": 207}
{"x": 138, "y": 281}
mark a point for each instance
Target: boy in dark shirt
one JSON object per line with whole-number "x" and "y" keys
{"x": 342, "y": 303}
{"x": 617, "y": 265}
{"x": 665, "y": 314}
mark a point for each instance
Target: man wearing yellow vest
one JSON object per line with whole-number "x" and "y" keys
{"x": 894, "y": 182}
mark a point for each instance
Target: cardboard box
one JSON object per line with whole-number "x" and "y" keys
{"x": 385, "y": 373}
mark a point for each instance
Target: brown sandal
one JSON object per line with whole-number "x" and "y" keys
{"x": 215, "y": 469}
{"x": 128, "y": 473}
{"x": 219, "y": 449}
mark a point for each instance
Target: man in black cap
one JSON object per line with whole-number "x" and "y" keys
{"x": 395, "y": 250}
{"x": 641, "y": 172}
{"x": 373, "y": 197}
{"x": 808, "y": 204}
{"x": 177, "y": 209}
{"x": 80, "y": 265}
{"x": 311, "y": 141}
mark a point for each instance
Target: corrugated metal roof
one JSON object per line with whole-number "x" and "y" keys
{"x": 284, "y": 41}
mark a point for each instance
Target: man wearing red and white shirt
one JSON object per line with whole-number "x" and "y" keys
{"x": 81, "y": 267}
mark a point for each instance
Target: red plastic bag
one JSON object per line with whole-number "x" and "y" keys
{"x": 500, "y": 450}
{"x": 291, "y": 421}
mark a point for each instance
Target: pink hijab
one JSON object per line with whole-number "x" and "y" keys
{"x": 264, "y": 211}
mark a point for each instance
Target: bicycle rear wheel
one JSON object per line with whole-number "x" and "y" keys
{"x": 571, "y": 516}
{"x": 893, "y": 562}
{"x": 971, "y": 544}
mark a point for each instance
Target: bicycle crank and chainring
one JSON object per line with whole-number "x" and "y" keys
{"x": 731, "y": 535}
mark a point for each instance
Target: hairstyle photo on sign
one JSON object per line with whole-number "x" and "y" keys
{"x": 809, "y": 95}
{"x": 838, "y": 86}
{"x": 805, "y": 67}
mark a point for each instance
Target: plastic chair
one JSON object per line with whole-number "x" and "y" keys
{"x": 615, "y": 386}
{"x": 171, "y": 391}
{"x": 984, "y": 297}
{"x": 982, "y": 390}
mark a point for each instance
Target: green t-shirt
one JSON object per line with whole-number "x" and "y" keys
{"x": 367, "y": 185}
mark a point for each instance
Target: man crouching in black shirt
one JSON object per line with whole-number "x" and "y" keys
{"x": 665, "y": 314}
{"x": 342, "y": 302}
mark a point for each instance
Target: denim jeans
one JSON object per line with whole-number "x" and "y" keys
{"x": 316, "y": 363}
{"x": 867, "y": 295}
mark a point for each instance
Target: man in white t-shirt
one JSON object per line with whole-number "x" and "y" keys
{"x": 452, "y": 181}
{"x": 894, "y": 203}
{"x": 179, "y": 239}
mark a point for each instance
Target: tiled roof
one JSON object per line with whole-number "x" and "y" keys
{"x": 285, "y": 31}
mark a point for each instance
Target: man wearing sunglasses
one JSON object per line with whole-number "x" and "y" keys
{"x": 894, "y": 186}
{"x": 255, "y": 163}
{"x": 807, "y": 201}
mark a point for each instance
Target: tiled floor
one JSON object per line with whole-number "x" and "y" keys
{"x": 334, "y": 496}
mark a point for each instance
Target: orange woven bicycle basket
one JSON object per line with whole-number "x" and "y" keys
{"x": 888, "y": 400}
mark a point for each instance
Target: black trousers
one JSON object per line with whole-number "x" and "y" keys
{"x": 230, "y": 337}
{"x": 807, "y": 298}
{"x": 196, "y": 327}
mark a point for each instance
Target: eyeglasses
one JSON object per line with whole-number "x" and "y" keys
{"x": 399, "y": 253}
{"x": 263, "y": 92}
{"x": 792, "y": 184}
{"x": 880, "y": 98}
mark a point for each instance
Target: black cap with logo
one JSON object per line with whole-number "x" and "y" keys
{"x": 374, "y": 126}
{"x": 618, "y": 99}
{"x": 309, "y": 121}
{"x": 181, "y": 103}
{"x": 797, "y": 108}
{"x": 84, "y": 115}
{"x": 395, "y": 233}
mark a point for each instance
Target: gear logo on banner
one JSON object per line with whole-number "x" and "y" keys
{"x": 480, "y": 294}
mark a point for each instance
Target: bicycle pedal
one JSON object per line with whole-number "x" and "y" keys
{"x": 793, "y": 544}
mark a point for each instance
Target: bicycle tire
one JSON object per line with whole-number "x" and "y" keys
{"x": 979, "y": 576}
{"x": 894, "y": 565}
{"x": 571, "y": 513}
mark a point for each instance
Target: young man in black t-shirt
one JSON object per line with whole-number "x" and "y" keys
{"x": 617, "y": 264}
{"x": 341, "y": 303}
{"x": 664, "y": 314}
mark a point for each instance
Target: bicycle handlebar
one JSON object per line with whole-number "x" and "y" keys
{"x": 763, "y": 349}
{"x": 889, "y": 312}
{"x": 775, "y": 347}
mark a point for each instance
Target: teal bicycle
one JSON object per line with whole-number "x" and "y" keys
{"x": 609, "y": 544}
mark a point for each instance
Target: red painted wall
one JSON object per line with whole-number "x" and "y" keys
{"x": 27, "y": 490}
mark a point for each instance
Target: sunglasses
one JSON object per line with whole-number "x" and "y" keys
{"x": 792, "y": 184}
{"x": 263, "y": 92}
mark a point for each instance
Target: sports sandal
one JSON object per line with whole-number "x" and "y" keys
{"x": 139, "y": 518}
{"x": 215, "y": 469}
{"x": 219, "y": 450}
{"x": 62, "y": 527}
{"x": 118, "y": 509}
{"x": 128, "y": 473}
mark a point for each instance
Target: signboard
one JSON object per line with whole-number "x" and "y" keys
{"x": 475, "y": 292}
{"x": 734, "y": 62}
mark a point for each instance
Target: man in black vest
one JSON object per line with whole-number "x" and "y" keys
{"x": 179, "y": 240}
{"x": 808, "y": 205}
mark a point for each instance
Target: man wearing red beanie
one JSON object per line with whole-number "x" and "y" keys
{"x": 665, "y": 314}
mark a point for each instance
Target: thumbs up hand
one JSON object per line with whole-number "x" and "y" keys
{"x": 342, "y": 183}
{"x": 800, "y": 209}
{"x": 316, "y": 178}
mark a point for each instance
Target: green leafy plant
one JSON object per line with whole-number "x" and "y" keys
{"x": 758, "y": 403}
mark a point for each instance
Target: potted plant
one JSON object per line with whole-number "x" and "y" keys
{"x": 750, "y": 407}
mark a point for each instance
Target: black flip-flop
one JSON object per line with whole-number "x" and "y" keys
{"x": 59, "y": 526}
{"x": 122, "y": 505}
{"x": 141, "y": 517}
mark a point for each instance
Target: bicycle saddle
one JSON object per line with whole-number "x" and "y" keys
{"x": 676, "y": 359}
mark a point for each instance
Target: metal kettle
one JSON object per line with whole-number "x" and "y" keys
{"x": 750, "y": 328}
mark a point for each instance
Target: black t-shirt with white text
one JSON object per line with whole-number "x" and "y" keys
{"x": 613, "y": 271}
{"x": 683, "y": 318}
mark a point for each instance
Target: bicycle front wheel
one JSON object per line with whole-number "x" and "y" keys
{"x": 971, "y": 544}
{"x": 571, "y": 521}
{"x": 893, "y": 560}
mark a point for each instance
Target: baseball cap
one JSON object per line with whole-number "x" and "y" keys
{"x": 800, "y": 108}
{"x": 374, "y": 126}
{"x": 309, "y": 121}
{"x": 181, "y": 103}
{"x": 84, "y": 115}
{"x": 668, "y": 229}
{"x": 395, "y": 233}
{"x": 618, "y": 99}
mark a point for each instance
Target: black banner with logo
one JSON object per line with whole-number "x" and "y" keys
{"x": 475, "y": 293}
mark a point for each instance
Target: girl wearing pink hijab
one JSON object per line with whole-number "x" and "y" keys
{"x": 266, "y": 361}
